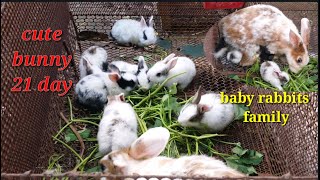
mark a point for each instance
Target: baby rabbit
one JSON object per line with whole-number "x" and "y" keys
{"x": 97, "y": 57}
{"x": 207, "y": 113}
{"x": 171, "y": 66}
{"x": 139, "y": 70}
{"x": 93, "y": 89}
{"x": 141, "y": 158}
{"x": 128, "y": 31}
{"x": 271, "y": 73}
{"x": 118, "y": 126}
{"x": 223, "y": 48}
{"x": 125, "y": 66}
{"x": 263, "y": 25}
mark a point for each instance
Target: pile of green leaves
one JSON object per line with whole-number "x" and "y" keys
{"x": 305, "y": 81}
{"x": 156, "y": 107}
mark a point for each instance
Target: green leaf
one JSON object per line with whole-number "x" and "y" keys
{"x": 164, "y": 43}
{"x": 250, "y": 170}
{"x": 314, "y": 77}
{"x": 173, "y": 89}
{"x": 239, "y": 111}
{"x": 94, "y": 169}
{"x": 193, "y": 50}
{"x": 164, "y": 98}
{"x": 239, "y": 151}
{"x": 70, "y": 136}
{"x": 234, "y": 76}
{"x": 157, "y": 123}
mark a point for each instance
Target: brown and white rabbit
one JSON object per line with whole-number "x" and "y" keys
{"x": 265, "y": 25}
{"x": 141, "y": 158}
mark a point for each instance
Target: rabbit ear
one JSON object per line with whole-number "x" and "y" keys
{"x": 113, "y": 68}
{"x": 203, "y": 108}
{"x": 150, "y": 144}
{"x": 121, "y": 97}
{"x": 141, "y": 62}
{"x": 305, "y": 31}
{"x": 143, "y": 22}
{"x": 114, "y": 77}
{"x": 172, "y": 63}
{"x": 169, "y": 57}
{"x": 294, "y": 39}
{"x": 197, "y": 97}
{"x": 150, "y": 21}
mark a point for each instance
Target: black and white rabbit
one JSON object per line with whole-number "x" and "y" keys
{"x": 128, "y": 31}
{"x": 118, "y": 126}
{"x": 95, "y": 56}
{"x": 93, "y": 89}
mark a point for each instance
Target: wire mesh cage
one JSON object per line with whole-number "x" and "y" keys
{"x": 30, "y": 119}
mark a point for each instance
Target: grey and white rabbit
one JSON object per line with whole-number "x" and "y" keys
{"x": 142, "y": 158}
{"x": 128, "y": 31}
{"x": 97, "y": 57}
{"x": 271, "y": 73}
{"x": 118, "y": 126}
{"x": 207, "y": 113}
{"x": 171, "y": 66}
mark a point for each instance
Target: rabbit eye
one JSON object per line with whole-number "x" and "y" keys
{"x": 144, "y": 35}
{"x": 299, "y": 60}
{"x": 102, "y": 167}
{"x": 158, "y": 74}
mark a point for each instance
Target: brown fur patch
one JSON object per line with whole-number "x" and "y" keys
{"x": 246, "y": 61}
{"x": 298, "y": 51}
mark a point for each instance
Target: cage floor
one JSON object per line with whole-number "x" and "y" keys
{"x": 246, "y": 134}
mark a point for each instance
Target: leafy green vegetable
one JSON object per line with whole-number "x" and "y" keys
{"x": 193, "y": 50}
{"x": 70, "y": 136}
{"x": 239, "y": 111}
{"x": 94, "y": 169}
{"x": 244, "y": 160}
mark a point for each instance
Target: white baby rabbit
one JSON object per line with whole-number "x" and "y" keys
{"x": 207, "y": 113}
{"x": 118, "y": 126}
{"x": 263, "y": 25}
{"x": 128, "y": 31}
{"x": 171, "y": 66}
{"x": 97, "y": 57}
{"x": 271, "y": 73}
{"x": 142, "y": 159}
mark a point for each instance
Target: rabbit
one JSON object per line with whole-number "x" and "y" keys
{"x": 142, "y": 76}
{"x": 171, "y": 66}
{"x": 142, "y": 159}
{"x": 223, "y": 48}
{"x": 118, "y": 126}
{"x": 263, "y": 25}
{"x": 131, "y": 32}
{"x": 97, "y": 57}
{"x": 271, "y": 73}
{"x": 93, "y": 89}
{"x": 125, "y": 66}
{"x": 207, "y": 113}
